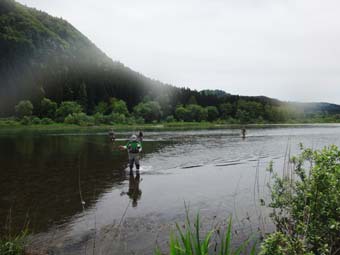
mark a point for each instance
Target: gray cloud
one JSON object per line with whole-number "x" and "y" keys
{"x": 281, "y": 48}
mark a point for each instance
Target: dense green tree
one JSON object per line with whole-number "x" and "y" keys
{"x": 66, "y": 108}
{"x": 192, "y": 100}
{"x": 196, "y": 112}
{"x": 101, "y": 107}
{"x": 226, "y": 110}
{"x": 24, "y": 108}
{"x": 119, "y": 106}
{"x": 249, "y": 111}
{"x": 48, "y": 108}
{"x": 181, "y": 113}
{"x": 212, "y": 112}
{"x": 149, "y": 111}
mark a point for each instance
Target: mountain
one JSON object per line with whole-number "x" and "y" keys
{"x": 44, "y": 56}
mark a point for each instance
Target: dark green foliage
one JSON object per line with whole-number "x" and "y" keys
{"x": 191, "y": 100}
{"x": 48, "y": 108}
{"x": 248, "y": 111}
{"x": 99, "y": 118}
{"x": 116, "y": 118}
{"x": 24, "y": 108}
{"x": 46, "y": 121}
{"x": 36, "y": 120}
{"x": 170, "y": 118}
{"x": 80, "y": 119}
{"x": 181, "y": 113}
{"x": 212, "y": 113}
{"x": 67, "y": 108}
{"x": 281, "y": 244}
{"x": 26, "y": 121}
{"x": 216, "y": 92}
{"x": 307, "y": 204}
{"x": 149, "y": 111}
{"x": 226, "y": 110}
{"x": 101, "y": 108}
{"x": 118, "y": 106}
{"x": 196, "y": 112}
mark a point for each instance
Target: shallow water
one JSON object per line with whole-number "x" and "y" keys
{"x": 45, "y": 178}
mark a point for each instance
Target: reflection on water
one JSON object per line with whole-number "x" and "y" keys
{"x": 45, "y": 178}
{"x": 134, "y": 191}
{"x": 41, "y": 177}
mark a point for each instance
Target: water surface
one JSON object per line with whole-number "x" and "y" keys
{"x": 79, "y": 198}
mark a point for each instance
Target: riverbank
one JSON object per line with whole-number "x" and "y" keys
{"x": 16, "y": 128}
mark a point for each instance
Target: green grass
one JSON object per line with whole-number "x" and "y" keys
{"x": 11, "y": 127}
{"x": 188, "y": 241}
{"x": 14, "y": 127}
{"x": 10, "y": 245}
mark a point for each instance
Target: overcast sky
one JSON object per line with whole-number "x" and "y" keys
{"x": 287, "y": 49}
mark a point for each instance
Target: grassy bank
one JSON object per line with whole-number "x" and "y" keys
{"x": 14, "y": 127}
{"x": 69, "y": 128}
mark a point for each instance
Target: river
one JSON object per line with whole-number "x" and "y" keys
{"x": 76, "y": 194}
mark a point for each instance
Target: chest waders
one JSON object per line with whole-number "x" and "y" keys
{"x": 133, "y": 151}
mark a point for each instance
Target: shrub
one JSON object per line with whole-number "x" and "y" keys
{"x": 80, "y": 119}
{"x": 306, "y": 202}
{"x": 133, "y": 120}
{"x": 196, "y": 113}
{"x": 24, "y": 108}
{"x": 46, "y": 121}
{"x": 25, "y": 121}
{"x": 280, "y": 244}
{"x": 66, "y": 108}
{"x": 212, "y": 112}
{"x": 149, "y": 111}
{"x": 99, "y": 118}
{"x": 181, "y": 113}
{"x": 101, "y": 107}
{"x": 226, "y": 110}
{"x": 118, "y": 106}
{"x": 36, "y": 120}
{"x": 48, "y": 108}
{"x": 170, "y": 119}
{"x": 117, "y": 118}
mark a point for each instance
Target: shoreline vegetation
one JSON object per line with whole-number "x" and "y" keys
{"x": 305, "y": 210}
{"x": 69, "y": 116}
{"x": 16, "y": 127}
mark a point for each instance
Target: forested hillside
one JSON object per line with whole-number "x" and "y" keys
{"x": 46, "y": 57}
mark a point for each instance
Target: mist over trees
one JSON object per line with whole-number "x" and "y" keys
{"x": 47, "y": 61}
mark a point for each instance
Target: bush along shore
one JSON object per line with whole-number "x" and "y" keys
{"x": 116, "y": 112}
{"x": 305, "y": 202}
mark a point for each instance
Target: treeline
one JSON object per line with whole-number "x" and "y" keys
{"x": 116, "y": 111}
{"x": 46, "y": 57}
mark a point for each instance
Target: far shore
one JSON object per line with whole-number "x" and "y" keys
{"x": 176, "y": 126}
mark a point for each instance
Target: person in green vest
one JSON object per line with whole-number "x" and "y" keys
{"x": 134, "y": 148}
